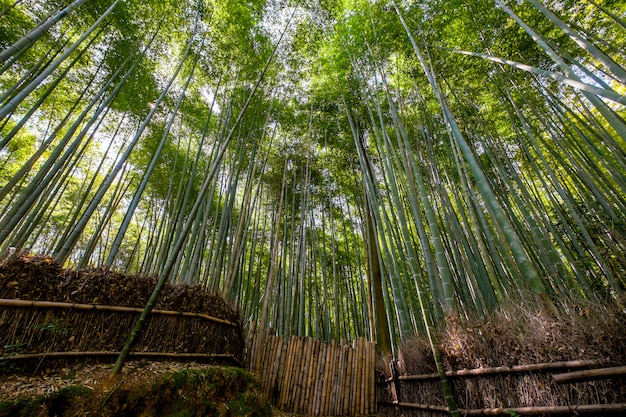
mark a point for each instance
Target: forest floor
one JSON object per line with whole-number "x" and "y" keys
{"x": 90, "y": 376}
{"x": 143, "y": 388}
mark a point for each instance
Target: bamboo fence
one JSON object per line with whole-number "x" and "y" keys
{"x": 302, "y": 375}
{"x": 561, "y": 393}
{"x": 61, "y": 332}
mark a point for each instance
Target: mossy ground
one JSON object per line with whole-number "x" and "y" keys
{"x": 213, "y": 391}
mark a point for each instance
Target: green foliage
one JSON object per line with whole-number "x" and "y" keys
{"x": 54, "y": 327}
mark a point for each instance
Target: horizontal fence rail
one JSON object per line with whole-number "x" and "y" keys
{"x": 303, "y": 375}
{"x": 198, "y": 357}
{"x": 4, "y": 302}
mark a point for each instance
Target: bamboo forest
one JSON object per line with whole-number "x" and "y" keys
{"x": 332, "y": 168}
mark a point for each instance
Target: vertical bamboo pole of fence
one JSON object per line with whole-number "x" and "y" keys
{"x": 309, "y": 396}
{"x": 342, "y": 379}
{"x": 366, "y": 380}
{"x": 268, "y": 356}
{"x": 328, "y": 378}
{"x": 281, "y": 372}
{"x": 367, "y": 377}
{"x": 370, "y": 378}
{"x": 345, "y": 392}
{"x": 275, "y": 367}
{"x": 278, "y": 345}
{"x": 320, "y": 375}
{"x": 321, "y": 378}
{"x": 354, "y": 381}
{"x": 268, "y": 363}
{"x": 310, "y": 386}
{"x": 297, "y": 373}
{"x": 373, "y": 405}
{"x": 363, "y": 375}
{"x": 305, "y": 375}
{"x": 307, "y": 380}
{"x": 259, "y": 352}
{"x": 286, "y": 375}
{"x": 301, "y": 345}
{"x": 335, "y": 391}
{"x": 301, "y": 370}
{"x": 360, "y": 367}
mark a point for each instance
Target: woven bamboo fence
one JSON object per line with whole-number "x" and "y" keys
{"x": 59, "y": 332}
{"x": 579, "y": 387}
{"x": 50, "y": 316}
{"x": 303, "y": 375}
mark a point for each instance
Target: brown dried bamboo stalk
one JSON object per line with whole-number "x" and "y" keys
{"x": 96, "y": 307}
{"x": 590, "y": 375}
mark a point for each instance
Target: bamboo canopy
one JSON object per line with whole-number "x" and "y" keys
{"x": 335, "y": 170}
